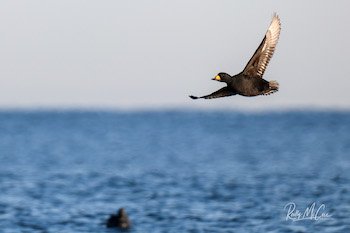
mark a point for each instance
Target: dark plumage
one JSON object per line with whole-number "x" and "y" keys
{"x": 119, "y": 220}
{"x": 250, "y": 82}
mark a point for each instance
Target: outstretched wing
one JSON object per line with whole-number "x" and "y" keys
{"x": 259, "y": 61}
{"x": 225, "y": 91}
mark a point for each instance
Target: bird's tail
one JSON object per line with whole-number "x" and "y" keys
{"x": 273, "y": 87}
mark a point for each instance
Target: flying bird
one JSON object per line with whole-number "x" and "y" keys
{"x": 249, "y": 82}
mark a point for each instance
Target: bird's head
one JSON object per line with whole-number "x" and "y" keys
{"x": 222, "y": 77}
{"x": 121, "y": 212}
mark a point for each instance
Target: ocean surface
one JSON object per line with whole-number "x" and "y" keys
{"x": 174, "y": 171}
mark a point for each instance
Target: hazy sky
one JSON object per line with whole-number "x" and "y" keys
{"x": 123, "y": 54}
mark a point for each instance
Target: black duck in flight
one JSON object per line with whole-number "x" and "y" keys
{"x": 250, "y": 82}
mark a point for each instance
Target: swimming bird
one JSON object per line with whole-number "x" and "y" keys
{"x": 119, "y": 220}
{"x": 249, "y": 82}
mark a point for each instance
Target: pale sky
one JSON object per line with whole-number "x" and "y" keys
{"x": 146, "y": 54}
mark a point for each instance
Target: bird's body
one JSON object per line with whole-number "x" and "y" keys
{"x": 249, "y": 82}
{"x": 248, "y": 86}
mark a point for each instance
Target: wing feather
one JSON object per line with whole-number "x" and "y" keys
{"x": 223, "y": 92}
{"x": 262, "y": 56}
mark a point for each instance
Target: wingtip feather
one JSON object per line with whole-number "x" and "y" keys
{"x": 193, "y": 97}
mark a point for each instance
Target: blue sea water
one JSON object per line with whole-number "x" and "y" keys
{"x": 173, "y": 171}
